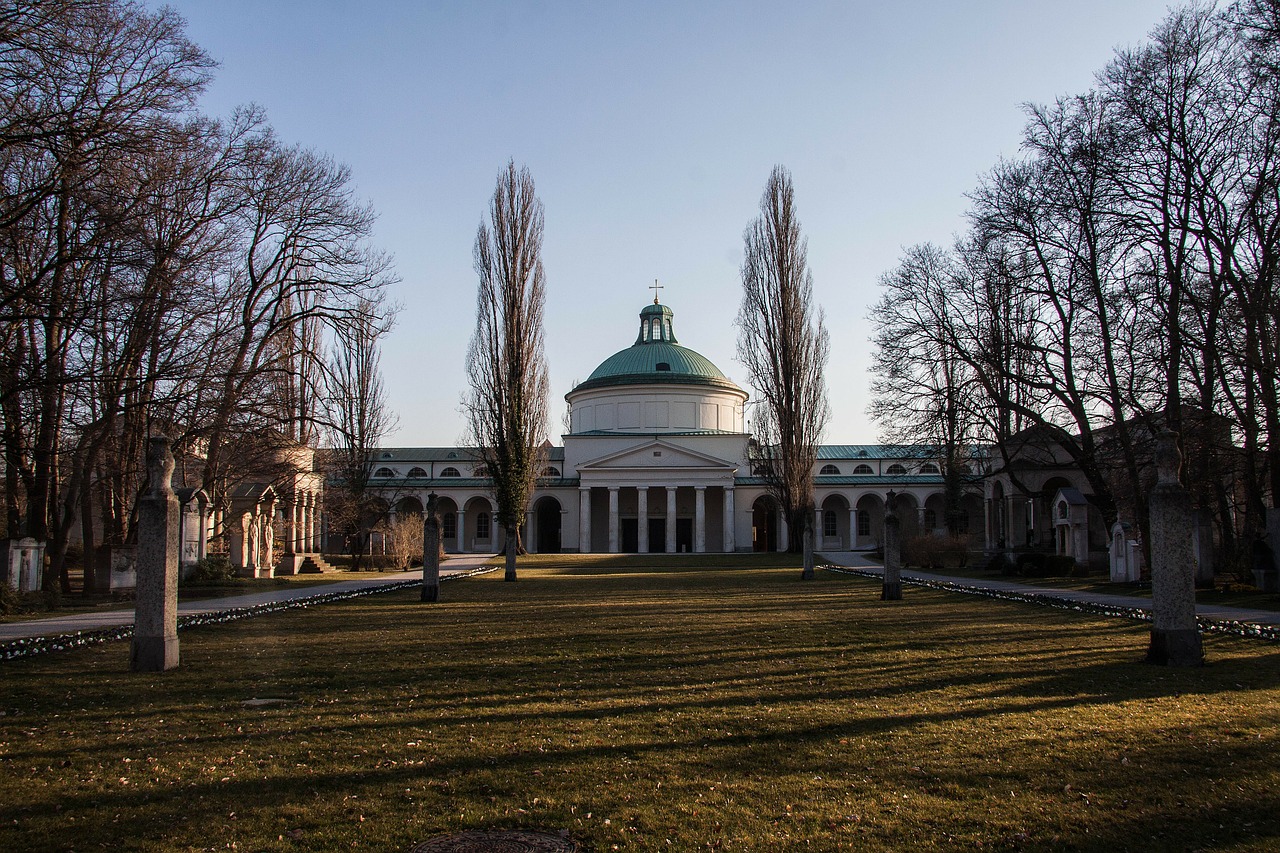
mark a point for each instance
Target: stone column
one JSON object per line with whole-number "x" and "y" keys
{"x": 1175, "y": 640}
{"x": 891, "y": 588}
{"x": 986, "y": 525}
{"x": 291, "y": 541}
{"x": 530, "y": 533}
{"x": 431, "y": 547}
{"x": 730, "y": 522}
{"x": 307, "y": 520}
{"x": 269, "y": 540}
{"x": 817, "y": 527}
{"x": 699, "y": 519}
{"x": 853, "y": 527}
{"x": 202, "y": 535}
{"x": 584, "y": 520}
{"x": 155, "y": 621}
{"x": 462, "y": 531}
{"x": 642, "y": 518}
{"x": 613, "y": 519}
{"x": 671, "y": 519}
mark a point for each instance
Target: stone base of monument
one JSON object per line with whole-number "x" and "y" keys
{"x": 498, "y": 841}
{"x": 154, "y": 654}
{"x": 253, "y": 572}
{"x": 1175, "y": 648}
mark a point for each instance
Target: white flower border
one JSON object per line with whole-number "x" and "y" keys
{"x": 1248, "y": 630}
{"x": 28, "y": 646}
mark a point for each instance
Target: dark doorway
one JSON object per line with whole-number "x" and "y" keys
{"x": 764, "y": 527}
{"x": 657, "y": 536}
{"x": 548, "y": 526}
{"x": 630, "y": 536}
{"x": 684, "y": 535}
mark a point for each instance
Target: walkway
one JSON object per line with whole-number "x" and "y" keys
{"x": 856, "y": 560}
{"x": 96, "y": 620}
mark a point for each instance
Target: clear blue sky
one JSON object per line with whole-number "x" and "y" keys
{"x": 650, "y": 129}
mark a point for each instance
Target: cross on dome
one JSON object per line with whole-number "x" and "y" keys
{"x": 655, "y": 287}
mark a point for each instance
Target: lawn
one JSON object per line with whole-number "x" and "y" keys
{"x": 648, "y": 704}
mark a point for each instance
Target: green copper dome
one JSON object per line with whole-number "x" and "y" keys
{"x": 655, "y": 357}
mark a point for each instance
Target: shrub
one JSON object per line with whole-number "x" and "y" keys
{"x": 1002, "y": 564}
{"x": 1059, "y": 566}
{"x": 10, "y": 601}
{"x": 211, "y": 570}
{"x": 1031, "y": 564}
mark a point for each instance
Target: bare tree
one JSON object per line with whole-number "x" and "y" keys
{"x": 924, "y": 392}
{"x": 507, "y": 403}
{"x": 782, "y": 342}
{"x": 355, "y": 418}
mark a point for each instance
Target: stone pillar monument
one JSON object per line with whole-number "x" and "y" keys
{"x": 891, "y": 590}
{"x": 155, "y": 621}
{"x": 1175, "y": 640}
{"x": 431, "y": 548}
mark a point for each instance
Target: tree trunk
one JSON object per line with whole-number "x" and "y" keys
{"x": 512, "y": 545}
{"x": 807, "y": 534}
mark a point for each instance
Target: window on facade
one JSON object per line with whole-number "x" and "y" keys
{"x": 864, "y": 469}
{"x": 417, "y": 472}
{"x": 930, "y": 519}
{"x": 481, "y": 471}
{"x": 551, "y": 471}
{"x": 829, "y": 469}
{"x": 1062, "y": 509}
{"x": 965, "y": 469}
{"x": 449, "y": 526}
{"x": 962, "y": 523}
{"x": 450, "y": 472}
{"x": 929, "y": 468}
{"x": 482, "y": 526}
{"x": 829, "y": 523}
{"x": 864, "y": 523}
{"x": 384, "y": 472}
{"x": 895, "y": 468}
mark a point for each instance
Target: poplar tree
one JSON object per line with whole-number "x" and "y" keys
{"x": 506, "y": 367}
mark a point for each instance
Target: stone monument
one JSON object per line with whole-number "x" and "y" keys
{"x": 891, "y": 590}
{"x": 1175, "y": 640}
{"x": 431, "y": 551}
{"x": 155, "y": 622}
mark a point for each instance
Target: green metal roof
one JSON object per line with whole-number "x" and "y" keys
{"x": 655, "y": 357}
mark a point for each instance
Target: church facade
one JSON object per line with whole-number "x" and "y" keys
{"x": 656, "y": 462}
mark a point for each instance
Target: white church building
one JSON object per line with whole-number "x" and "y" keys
{"x": 656, "y": 462}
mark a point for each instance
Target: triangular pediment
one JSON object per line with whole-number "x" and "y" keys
{"x": 655, "y": 455}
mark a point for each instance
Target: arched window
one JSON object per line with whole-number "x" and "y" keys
{"x": 1062, "y": 509}
{"x": 864, "y": 523}
{"x": 895, "y": 468}
{"x": 481, "y": 471}
{"x": 829, "y": 523}
{"x": 930, "y": 519}
{"x": 929, "y": 468}
{"x": 655, "y": 329}
{"x": 417, "y": 472}
{"x": 864, "y": 469}
{"x": 829, "y": 469}
{"x": 451, "y": 472}
{"x": 482, "y": 526}
{"x": 551, "y": 471}
{"x": 449, "y": 526}
{"x": 384, "y": 472}
{"x": 965, "y": 469}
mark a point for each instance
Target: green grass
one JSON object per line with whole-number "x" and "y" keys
{"x": 649, "y": 704}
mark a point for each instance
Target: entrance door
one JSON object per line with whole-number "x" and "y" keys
{"x": 764, "y": 528}
{"x": 548, "y": 526}
{"x": 684, "y": 535}
{"x": 630, "y": 535}
{"x": 657, "y": 535}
